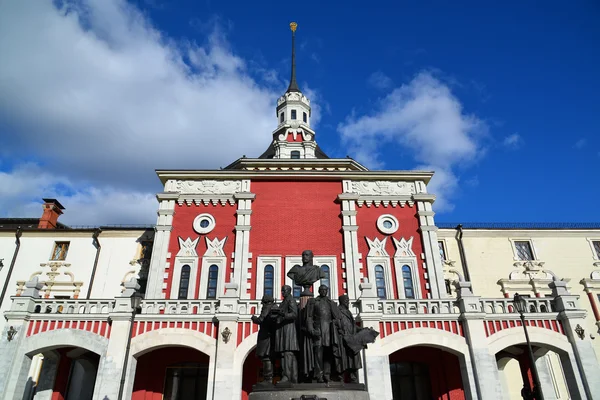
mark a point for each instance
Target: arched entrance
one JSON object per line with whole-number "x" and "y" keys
{"x": 425, "y": 373}
{"x": 515, "y": 371}
{"x": 171, "y": 373}
{"x": 554, "y": 360}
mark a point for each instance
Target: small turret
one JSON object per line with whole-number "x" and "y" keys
{"x": 293, "y": 137}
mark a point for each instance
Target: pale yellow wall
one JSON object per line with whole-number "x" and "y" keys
{"x": 490, "y": 257}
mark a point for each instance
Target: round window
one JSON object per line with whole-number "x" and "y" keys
{"x": 204, "y": 223}
{"x": 387, "y": 224}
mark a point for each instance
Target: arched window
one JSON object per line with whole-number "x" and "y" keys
{"x": 380, "y": 282}
{"x": 213, "y": 275}
{"x": 184, "y": 282}
{"x": 409, "y": 291}
{"x": 269, "y": 282}
{"x": 325, "y": 281}
{"x": 295, "y": 154}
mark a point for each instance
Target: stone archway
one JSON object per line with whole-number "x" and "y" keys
{"x": 170, "y": 338}
{"x": 554, "y": 359}
{"x": 377, "y": 363}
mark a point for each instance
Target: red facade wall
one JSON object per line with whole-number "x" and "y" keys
{"x": 63, "y": 370}
{"x": 151, "y": 370}
{"x": 289, "y": 217}
{"x": 366, "y": 218}
{"x": 444, "y": 370}
{"x": 183, "y": 220}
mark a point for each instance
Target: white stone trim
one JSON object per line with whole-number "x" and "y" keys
{"x": 590, "y": 241}
{"x": 221, "y": 262}
{"x": 387, "y": 270}
{"x": 414, "y": 270}
{"x": 437, "y": 338}
{"x": 514, "y": 336}
{"x": 211, "y": 223}
{"x": 387, "y": 218}
{"x": 178, "y": 265}
{"x": 331, "y": 261}
{"x": 50, "y": 340}
{"x": 261, "y": 263}
{"x": 512, "y": 241}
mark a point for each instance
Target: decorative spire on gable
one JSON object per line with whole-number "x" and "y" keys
{"x": 293, "y": 84}
{"x": 293, "y": 138}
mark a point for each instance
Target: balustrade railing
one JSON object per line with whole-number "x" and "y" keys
{"x": 506, "y": 306}
{"x": 182, "y": 307}
{"x": 420, "y": 306}
{"x": 73, "y": 306}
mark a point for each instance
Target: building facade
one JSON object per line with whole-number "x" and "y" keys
{"x": 440, "y": 296}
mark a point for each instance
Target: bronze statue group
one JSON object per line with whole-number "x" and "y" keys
{"x": 316, "y": 342}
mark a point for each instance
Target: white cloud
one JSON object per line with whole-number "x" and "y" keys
{"x": 101, "y": 98}
{"x": 380, "y": 81}
{"x": 580, "y": 144}
{"x": 424, "y": 117}
{"x": 513, "y": 141}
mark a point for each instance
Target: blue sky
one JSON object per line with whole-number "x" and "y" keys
{"x": 498, "y": 97}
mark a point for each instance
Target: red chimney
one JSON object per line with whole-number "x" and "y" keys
{"x": 52, "y": 210}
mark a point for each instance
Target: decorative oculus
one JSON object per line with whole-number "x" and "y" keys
{"x": 204, "y": 223}
{"x": 387, "y": 224}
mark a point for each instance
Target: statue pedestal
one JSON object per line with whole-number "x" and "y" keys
{"x": 311, "y": 391}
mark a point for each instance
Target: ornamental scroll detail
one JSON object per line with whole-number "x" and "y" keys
{"x": 385, "y": 188}
{"x": 203, "y": 187}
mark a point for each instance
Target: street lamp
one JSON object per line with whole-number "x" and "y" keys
{"x": 136, "y": 301}
{"x": 521, "y": 305}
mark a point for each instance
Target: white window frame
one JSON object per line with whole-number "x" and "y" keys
{"x": 445, "y": 245}
{"x": 262, "y": 262}
{"x": 591, "y": 242}
{"x": 178, "y": 265}
{"x": 220, "y": 262}
{"x": 387, "y": 271}
{"x": 514, "y": 248}
{"x": 331, "y": 261}
{"x": 399, "y": 262}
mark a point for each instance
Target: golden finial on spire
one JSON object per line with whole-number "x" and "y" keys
{"x": 293, "y": 26}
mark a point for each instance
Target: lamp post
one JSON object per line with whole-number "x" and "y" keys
{"x": 136, "y": 301}
{"x": 521, "y": 305}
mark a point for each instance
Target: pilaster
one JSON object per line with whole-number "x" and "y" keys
{"x": 14, "y": 364}
{"x": 351, "y": 263}
{"x": 573, "y": 321}
{"x": 226, "y": 373}
{"x": 241, "y": 263}
{"x": 111, "y": 365}
{"x": 430, "y": 245}
{"x": 160, "y": 248}
{"x": 485, "y": 378}
{"x": 376, "y": 364}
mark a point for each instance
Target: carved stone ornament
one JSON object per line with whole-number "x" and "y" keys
{"x": 10, "y": 334}
{"x": 531, "y": 269}
{"x": 293, "y": 96}
{"x": 203, "y": 187}
{"x": 383, "y": 188}
{"x": 214, "y": 248}
{"x": 187, "y": 247}
{"x": 377, "y": 247}
{"x": 580, "y": 332}
{"x": 404, "y": 247}
{"x": 226, "y": 334}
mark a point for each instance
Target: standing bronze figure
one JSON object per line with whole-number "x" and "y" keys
{"x": 266, "y": 337}
{"x": 349, "y": 360}
{"x": 286, "y": 340}
{"x": 321, "y": 314}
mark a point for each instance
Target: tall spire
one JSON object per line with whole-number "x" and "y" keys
{"x": 293, "y": 85}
